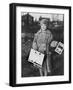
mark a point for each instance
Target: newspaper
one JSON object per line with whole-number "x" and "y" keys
{"x": 36, "y": 58}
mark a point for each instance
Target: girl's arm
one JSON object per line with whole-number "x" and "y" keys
{"x": 34, "y": 44}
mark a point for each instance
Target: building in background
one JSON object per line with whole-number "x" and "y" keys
{"x": 27, "y": 19}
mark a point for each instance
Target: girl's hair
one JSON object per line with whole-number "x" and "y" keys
{"x": 44, "y": 21}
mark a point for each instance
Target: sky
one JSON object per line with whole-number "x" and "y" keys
{"x": 52, "y": 16}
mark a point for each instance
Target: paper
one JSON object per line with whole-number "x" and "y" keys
{"x": 36, "y": 57}
{"x": 60, "y": 47}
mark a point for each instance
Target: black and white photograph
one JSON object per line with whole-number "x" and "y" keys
{"x": 40, "y": 41}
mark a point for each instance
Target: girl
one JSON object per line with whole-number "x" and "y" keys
{"x": 41, "y": 43}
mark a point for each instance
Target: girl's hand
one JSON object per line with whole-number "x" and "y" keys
{"x": 54, "y": 43}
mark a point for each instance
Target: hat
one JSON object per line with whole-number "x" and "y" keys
{"x": 44, "y": 21}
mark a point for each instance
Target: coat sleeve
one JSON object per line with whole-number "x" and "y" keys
{"x": 34, "y": 44}
{"x": 50, "y": 37}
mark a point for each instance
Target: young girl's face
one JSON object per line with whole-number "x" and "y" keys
{"x": 43, "y": 27}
